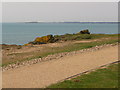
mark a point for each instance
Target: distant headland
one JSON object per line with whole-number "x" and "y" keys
{"x": 72, "y": 22}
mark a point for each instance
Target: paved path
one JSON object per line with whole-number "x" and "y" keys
{"x": 43, "y": 74}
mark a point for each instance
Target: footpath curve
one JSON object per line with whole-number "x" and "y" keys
{"x": 45, "y": 73}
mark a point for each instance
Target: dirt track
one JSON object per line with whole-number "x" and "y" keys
{"x": 43, "y": 74}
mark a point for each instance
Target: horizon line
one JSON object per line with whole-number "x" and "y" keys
{"x": 65, "y": 22}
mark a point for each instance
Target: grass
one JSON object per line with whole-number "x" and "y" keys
{"x": 79, "y": 46}
{"x": 20, "y": 57}
{"x": 68, "y": 37}
{"x": 101, "y": 78}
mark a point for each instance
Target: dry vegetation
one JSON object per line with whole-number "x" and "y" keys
{"x": 67, "y": 43}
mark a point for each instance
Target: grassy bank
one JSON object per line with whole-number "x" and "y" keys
{"x": 101, "y": 78}
{"x": 47, "y": 50}
{"x": 68, "y": 37}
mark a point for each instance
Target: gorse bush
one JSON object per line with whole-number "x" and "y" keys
{"x": 44, "y": 39}
{"x": 84, "y": 32}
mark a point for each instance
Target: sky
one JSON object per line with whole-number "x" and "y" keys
{"x": 60, "y": 11}
{"x": 60, "y": 0}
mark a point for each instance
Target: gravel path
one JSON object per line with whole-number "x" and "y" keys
{"x": 45, "y": 73}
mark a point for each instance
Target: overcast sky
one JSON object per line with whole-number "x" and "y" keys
{"x": 60, "y": 11}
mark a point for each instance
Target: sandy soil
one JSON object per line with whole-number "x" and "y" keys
{"x": 12, "y": 53}
{"x": 43, "y": 74}
{"x": 43, "y": 46}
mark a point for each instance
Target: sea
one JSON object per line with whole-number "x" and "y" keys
{"x": 21, "y": 33}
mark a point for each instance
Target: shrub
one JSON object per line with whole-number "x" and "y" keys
{"x": 84, "y": 32}
{"x": 44, "y": 39}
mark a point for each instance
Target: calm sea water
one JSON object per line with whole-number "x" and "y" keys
{"x": 21, "y": 33}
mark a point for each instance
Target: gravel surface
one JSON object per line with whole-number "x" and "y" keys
{"x": 51, "y": 57}
{"x": 54, "y": 68}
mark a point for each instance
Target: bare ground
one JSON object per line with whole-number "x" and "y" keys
{"x": 15, "y": 53}
{"x": 43, "y": 74}
{"x": 24, "y": 52}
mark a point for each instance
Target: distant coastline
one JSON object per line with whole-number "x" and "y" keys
{"x": 76, "y": 22}
{"x": 65, "y": 22}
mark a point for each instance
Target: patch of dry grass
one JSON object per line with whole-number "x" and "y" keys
{"x": 29, "y": 53}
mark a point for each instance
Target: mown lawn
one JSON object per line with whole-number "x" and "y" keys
{"x": 101, "y": 78}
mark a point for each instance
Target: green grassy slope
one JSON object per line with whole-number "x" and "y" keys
{"x": 101, "y": 78}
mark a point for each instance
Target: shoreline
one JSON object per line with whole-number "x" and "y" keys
{"x": 60, "y": 35}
